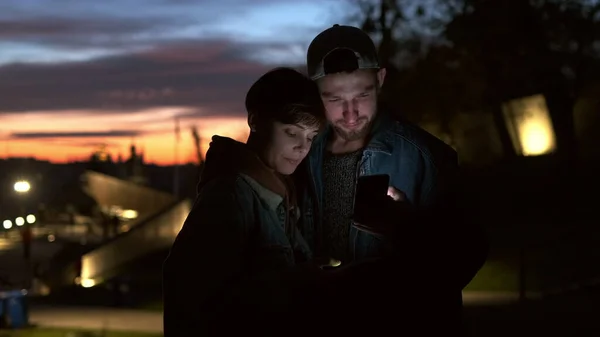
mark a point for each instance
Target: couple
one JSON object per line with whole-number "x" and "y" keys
{"x": 259, "y": 251}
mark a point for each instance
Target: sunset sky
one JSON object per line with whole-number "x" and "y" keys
{"x": 76, "y": 74}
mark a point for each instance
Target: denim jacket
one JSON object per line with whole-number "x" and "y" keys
{"x": 416, "y": 162}
{"x": 231, "y": 253}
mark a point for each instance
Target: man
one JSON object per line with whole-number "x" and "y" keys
{"x": 428, "y": 240}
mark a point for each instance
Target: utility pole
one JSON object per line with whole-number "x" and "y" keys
{"x": 176, "y": 154}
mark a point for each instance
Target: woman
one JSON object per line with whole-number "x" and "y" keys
{"x": 231, "y": 265}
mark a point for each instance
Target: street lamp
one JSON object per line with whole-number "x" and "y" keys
{"x": 7, "y": 224}
{"x": 22, "y": 186}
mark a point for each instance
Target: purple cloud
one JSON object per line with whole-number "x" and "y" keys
{"x": 212, "y": 76}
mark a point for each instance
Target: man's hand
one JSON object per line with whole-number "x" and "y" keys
{"x": 396, "y": 194}
{"x": 384, "y": 216}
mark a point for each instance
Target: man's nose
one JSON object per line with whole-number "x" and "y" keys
{"x": 350, "y": 112}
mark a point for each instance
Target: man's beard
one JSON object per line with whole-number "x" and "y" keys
{"x": 353, "y": 135}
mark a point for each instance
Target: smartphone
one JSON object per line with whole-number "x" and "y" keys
{"x": 370, "y": 191}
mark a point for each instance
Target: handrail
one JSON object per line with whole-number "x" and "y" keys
{"x": 164, "y": 226}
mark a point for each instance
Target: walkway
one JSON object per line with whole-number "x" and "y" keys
{"x": 486, "y": 298}
{"x": 97, "y": 319}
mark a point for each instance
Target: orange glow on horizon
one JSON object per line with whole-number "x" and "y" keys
{"x": 157, "y": 142}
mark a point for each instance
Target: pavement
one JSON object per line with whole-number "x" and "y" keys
{"x": 97, "y": 319}
{"x": 9, "y": 241}
{"x": 490, "y": 298}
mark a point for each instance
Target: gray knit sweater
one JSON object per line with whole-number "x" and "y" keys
{"x": 339, "y": 179}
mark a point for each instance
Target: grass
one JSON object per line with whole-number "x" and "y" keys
{"x": 572, "y": 314}
{"x": 152, "y": 306}
{"x": 570, "y": 260}
{"x": 496, "y": 275}
{"x": 47, "y": 332}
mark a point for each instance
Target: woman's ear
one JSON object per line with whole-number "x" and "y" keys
{"x": 251, "y": 123}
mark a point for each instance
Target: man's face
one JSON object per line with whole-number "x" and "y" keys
{"x": 351, "y": 101}
{"x": 289, "y": 144}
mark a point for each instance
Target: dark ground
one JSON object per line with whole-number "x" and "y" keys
{"x": 575, "y": 314}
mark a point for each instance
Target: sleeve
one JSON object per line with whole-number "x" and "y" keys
{"x": 457, "y": 238}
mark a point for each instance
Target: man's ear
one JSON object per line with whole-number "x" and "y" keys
{"x": 381, "y": 77}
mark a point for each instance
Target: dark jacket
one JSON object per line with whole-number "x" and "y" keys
{"x": 228, "y": 267}
{"x": 437, "y": 236}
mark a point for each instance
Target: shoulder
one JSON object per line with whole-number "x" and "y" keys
{"x": 233, "y": 187}
{"x": 434, "y": 163}
{"x": 409, "y": 139}
{"x": 226, "y": 200}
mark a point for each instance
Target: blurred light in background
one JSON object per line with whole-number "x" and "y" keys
{"x": 30, "y": 219}
{"x": 19, "y": 221}
{"x": 129, "y": 214}
{"x": 530, "y": 126}
{"x": 22, "y": 186}
{"x": 85, "y": 282}
{"x": 7, "y": 224}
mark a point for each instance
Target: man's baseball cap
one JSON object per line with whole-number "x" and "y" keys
{"x": 355, "y": 44}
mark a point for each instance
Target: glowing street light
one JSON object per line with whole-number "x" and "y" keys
{"x": 19, "y": 221}
{"x": 530, "y": 125}
{"x": 30, "y": 219}
{"x": 129, "y": 214}
{"x": 88, "y": 283}
{"x": 85, "y": 282}
{"x": 22, "y": 186}
{"x": 7, "y": 224}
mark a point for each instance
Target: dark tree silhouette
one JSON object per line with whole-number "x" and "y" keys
{"x": 530, "y": 47}
{"x": 472, "y": 55}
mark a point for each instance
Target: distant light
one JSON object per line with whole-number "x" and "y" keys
{"x": 30, "y": 218}
{"x": 22, "y": 186}
{"x": 43, "y": 289}
{"x": 51, "y": 238}
{"x": 530, "y": 126}
{"x": 536, "y": 138}
{"x": 129, "y": 214}
{"x": 20, "y": 221}
{"x": 87, "y": 283}
{"x": 7, "y": 224}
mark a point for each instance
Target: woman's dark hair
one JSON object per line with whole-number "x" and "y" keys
{"x": 285, "y": 95}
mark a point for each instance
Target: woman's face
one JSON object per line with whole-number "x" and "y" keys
{"x": 288, "y": 146}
